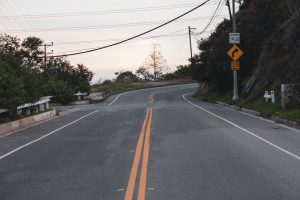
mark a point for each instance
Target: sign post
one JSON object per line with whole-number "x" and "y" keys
{"x": 235, "y": 53}
{"x": 235, "y": 82}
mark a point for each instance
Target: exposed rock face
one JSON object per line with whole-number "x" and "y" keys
{"x": 279, "y": 61}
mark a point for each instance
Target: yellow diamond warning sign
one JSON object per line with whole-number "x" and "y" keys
{"x": 235, "y": 52}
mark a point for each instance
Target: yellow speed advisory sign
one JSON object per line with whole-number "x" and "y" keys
{"x": 235, "y": 65}
{"x": 235, "y": 53}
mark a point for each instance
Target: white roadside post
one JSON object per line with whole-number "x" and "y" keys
{"x": 270, "y": 95}
{"x": 273, "y": 96}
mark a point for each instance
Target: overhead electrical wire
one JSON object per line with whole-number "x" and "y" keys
{"x": 98, "y": 12}
{"x": 31, "y": 23}
{"x": 138, "y": 39}
{"x": 195, "y": 34}
{"x": 77, "y": 28}
{"x": 215, "y": 22}
{"x": 110, "y": 40}
{"x": 136, "y": 36}
{"x": 197, "y": 39}
{"x": 4, "y": 9}
{"x": 212, "y": 19}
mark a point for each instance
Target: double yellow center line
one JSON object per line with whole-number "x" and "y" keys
{"x": 143, "y": 141}
{"x": 151, "y": 99}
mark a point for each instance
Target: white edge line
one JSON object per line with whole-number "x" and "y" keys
{"x": 249, "y": 132}
{"x": 114, "y": 101}
{"x": 261, "y": 118}
{"x": 44, "y": 136}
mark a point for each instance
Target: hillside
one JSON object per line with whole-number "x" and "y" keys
{"x": 270, "y": 38}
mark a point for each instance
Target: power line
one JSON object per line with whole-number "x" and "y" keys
{"x": 197, "y": 39}
{"x": 139, "y": 39}
{"x": 122, "y": 25}
{"x": 111, "y": 40}
{"x": 3, "y": 8}
{"x": 214, "y": 23}
{"x": 136, "y": 36}
{"x": 212, "y": 19}
{"x": 15, "y": 8}
{"x": 98, "y": 12}
{"x": 31, "y": 23}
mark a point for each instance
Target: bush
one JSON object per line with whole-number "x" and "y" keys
{"x": 107, "y": 82}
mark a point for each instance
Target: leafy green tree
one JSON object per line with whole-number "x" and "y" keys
{"x": 256, "y": 21}
{"x": 12, "y": 90}
{"x": 212, "y": 65}
{"x": 183, "y": 71}
{"x": 127, "y": 76}
{"x": 144, "y": 74}
{"x": 78, "y": 78}
{"x": 84, "y": 76}
{"x": 60, "y": 90}
{"x": 25, "y": 78}
{"x": 31, "y": 53}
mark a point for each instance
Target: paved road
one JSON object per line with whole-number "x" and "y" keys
{"x": 152, "y": 144}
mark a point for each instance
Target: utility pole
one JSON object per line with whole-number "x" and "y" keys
{"x": 228, "y": 4}
{"x": 191, "y": 49}
{"x": 46, "y": 53}
{"x": 235, "y": 75}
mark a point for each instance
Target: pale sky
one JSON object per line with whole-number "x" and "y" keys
{"x": 99, "y": 23}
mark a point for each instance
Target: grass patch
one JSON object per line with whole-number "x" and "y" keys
{"x": 116, "y": 87}
{"x": 123, "y": 86}
{"x": 213, "y": 98}
{"x": 266, "y": 109}
{"x": 257, "y": 104}
{"x": 291, "y": 114}
{"x": 4, "y": 120}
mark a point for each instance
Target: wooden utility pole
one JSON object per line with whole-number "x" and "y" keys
{"x": 190, "y": 38}
{"x": 46, "y": 53}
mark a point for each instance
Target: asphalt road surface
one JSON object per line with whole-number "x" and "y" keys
{"x": 154, "y": 144}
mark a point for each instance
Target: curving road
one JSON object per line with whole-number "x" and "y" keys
{"x": 154, "y": 144}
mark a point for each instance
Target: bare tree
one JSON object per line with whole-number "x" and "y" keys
{"x": 155, "y": 64}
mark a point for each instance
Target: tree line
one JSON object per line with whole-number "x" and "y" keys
{"x": 154, "y": 68}
{"x": 25, "y": 77}
{"x": 270, "y": 39}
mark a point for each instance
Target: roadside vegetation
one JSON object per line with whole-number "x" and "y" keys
{"x": 115, "y": 87}
{"x": 257, "y": 104}
{"x": 25, "y": 77}
{"x": 269, "y": 52}
{"x": 153, "y": 71}
{"x": 271, "y": 57}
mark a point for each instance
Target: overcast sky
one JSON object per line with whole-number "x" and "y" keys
{"x": 101, "y": 22}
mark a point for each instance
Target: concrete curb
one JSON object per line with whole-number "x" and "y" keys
{"x": 274, "y": 119}
{"x": 251, "y": 112}
{"x": 14, "y": 126}
{"x": 285, "y": 122}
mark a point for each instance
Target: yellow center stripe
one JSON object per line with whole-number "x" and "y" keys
{"x": 132, "y": 178}
{"x": 143, "y": 141}
{"x": 143, "y": 176}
